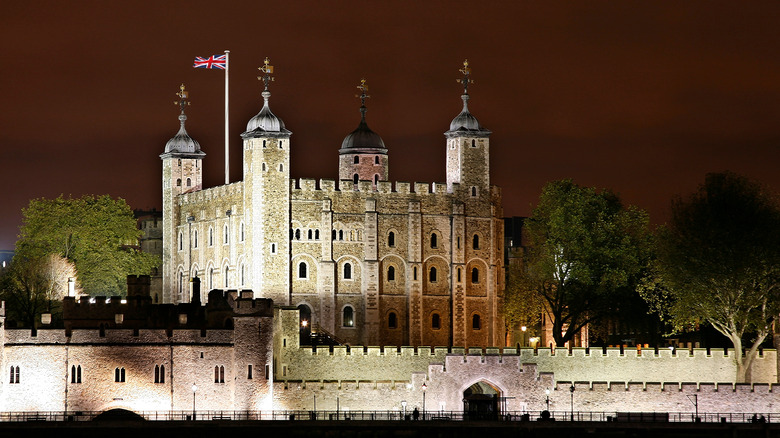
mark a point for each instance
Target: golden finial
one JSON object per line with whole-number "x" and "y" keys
{"x": 466, "y": 79}
{"x": 266, "y": 69}
{"x": 363, "y": 92}
{"x": 182, "y": 102}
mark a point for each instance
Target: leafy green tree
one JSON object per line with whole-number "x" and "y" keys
{"x": 719, "y": 262}
{"x": 34, "y": 286}
{"x": 586, "y": 251}
{"x": 98, "y": 234}
{"x": 523, "y": 306}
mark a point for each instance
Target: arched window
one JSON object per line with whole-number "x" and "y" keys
{"x": 356, "y": 160}
{"x": 14, "y": 374}
{"x": 211, "y": 236}
{"x": 390, "y": 273}
{"x": 181, "y": 286}
{"x": 473, "y": 143}
{"x": 281, "y": 168}
{"x": 211, "y": 278}
{"x": 435, "y": 321}
{"x": 475, "y": 243}
{"x": 227, "y": 276}
{"x": 310, "y": 234}
{"x": 119, "y": 375}
{"x": 376, "y": 159}
{"x": 376, "y": 179}
{"x": 355, "y": 178}
{"x": 316, "y": 234}
{"x": 391, "y": 239}
{"x": 341, "y": 234}
{"x": 181, "y": 241}
{"x": 414, "y": 273}
{"x": 242, "y": 231}
{"x": 458, "y": 274}
{"x": 473, "y": 191}
{"x": 432, "y": 275}
{"x": 475, "y": 275}
{"x": 302, "y": 270}
{"x": 159, "y": 374}
{"x": 297, "y": 234}
{"x": 219, "y": 374}
{"x": 434, "y": 240}
{"x": 333, "y": 235}
{"x": 195, "y": 239}
{"x": 262, "y": 167}
{"x": 347, "y": 271}
{"x": 189, "y": 182}
{"x": 75, "y": 374}
{"x": 243, "y": 275}
{"x": 476, "y": 324}
{"x": 263, "y": 143}
{"x": 348, "y": 317}
{"x": 226, "y": 236}
{"x": 178, "y": 182}
{"x": 179, "y": 162}
{"x": 392, "y": 320}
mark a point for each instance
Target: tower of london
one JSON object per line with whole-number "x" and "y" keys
{"x": 366, "y": 260}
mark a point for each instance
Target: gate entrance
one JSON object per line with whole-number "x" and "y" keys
{"x": 480, "y": 402}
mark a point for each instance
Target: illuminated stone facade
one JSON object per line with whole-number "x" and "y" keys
{"x": 373, "y": 262}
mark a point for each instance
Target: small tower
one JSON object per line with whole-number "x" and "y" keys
{"x": 468, "y": 152}
{"x": 363, "y": 156}
{"x": 267, "y": 199}
{"x": 182, "y": 173}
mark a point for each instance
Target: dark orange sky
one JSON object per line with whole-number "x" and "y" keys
{"x": 643, "y": 98}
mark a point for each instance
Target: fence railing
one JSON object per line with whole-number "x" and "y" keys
{"x": 345, "y": 415}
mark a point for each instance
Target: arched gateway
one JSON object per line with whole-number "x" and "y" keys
{"x": 481, "y": 401}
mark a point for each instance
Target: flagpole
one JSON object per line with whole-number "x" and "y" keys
{"x": 227, "y": 136}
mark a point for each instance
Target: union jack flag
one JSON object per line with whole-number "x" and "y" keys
{"x": 215, "y": 61}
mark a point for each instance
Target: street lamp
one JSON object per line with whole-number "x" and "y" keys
{"x": 523, "y": 329}
{"x": 194, "y": 389}
{"x": 571, "y": 389}
{"x": 403, "y": 404}
{"x": 547, "y": 392}
{"x": 424, "y": 387}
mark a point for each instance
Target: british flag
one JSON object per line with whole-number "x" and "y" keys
{"x": 215, "y": 61}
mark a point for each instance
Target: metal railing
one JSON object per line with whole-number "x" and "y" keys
{"x": 345, "y": 415}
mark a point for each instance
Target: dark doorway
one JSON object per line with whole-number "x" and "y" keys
{"x": 304, "y": 323}
{"x": 480, "y": 402}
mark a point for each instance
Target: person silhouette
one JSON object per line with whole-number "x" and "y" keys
{"x": 416, "y": 414}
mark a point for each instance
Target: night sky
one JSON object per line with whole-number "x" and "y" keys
{"x": 643, "y": 98}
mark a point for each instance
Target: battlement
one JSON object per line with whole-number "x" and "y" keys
{"x": 211, "y": 193}
{"x": 327, "y": 186}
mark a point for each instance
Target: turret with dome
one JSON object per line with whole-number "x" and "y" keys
{"x": 363, "y": 155}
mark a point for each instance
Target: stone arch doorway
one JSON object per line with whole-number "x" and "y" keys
{"x": 304, "y": 323}
{"x": 481, "y": 401}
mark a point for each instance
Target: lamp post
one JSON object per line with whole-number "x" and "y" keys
{"x": 523, "y": 329}
{"x": 424, "y": 387}
{"x": 403, "y": 404}
{"x": 571, "y": 389}
{"x": 547, "y": 394}
{"x": 194, "y": 388}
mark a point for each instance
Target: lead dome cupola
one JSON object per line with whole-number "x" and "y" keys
{"x": 363, "y": 140}
{"x": 465, "y": 123}
{"x": 182, "y": 143}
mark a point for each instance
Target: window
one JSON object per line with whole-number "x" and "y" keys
{"x": 249, "y": 372}
{"x": 476, "y": 324}
{"x": 273, "y": 248}
{"x": 302, "y": 268}
{"x": 458, "y": 274}
{"x": 414, "y": 273}
{"x": 267, "y": 371}
{"x": 281, "y": 144}
{"x": 434, "y": 240}
{"x": 195, "y": 239}
{"x": 219, "y": 374}
{"x": 348, "y": 317}
{"x": 392, "y": 320}
{"x": 310, "y": 234}
{"x": 178, "y": 182}
{"x": 333, "y": 235}
{"x": 189, "y": 182}
{"x": 298, "y": 234}
{"x": 347, "y": 271}
{"x": 263, "y": 143}
{"x": 473, "y": 143}
{"x": 473, "y": 191}
{"x": 391, "y": 239}
{"x": 119, "y": 375}
{"x": 242, "y": 231}
{"x": 179, "y": 162}
{"x": 263, "y": 167}
{"x": 432, "y": 275}
{"x": 391, "y": 273}
{"x": 376, "y": 160}
{"x": 211, "y": 278}
{"x": 376, "y": 179}
{"x": 14, "y": 374}
{"x": 355, "y": 178}
{"x": 475, "y": 243}
{"x": 227, "y": 276}
{"x": 281, "y": 168}
{"x": 211, "y": 236}
{"x": 475, "y": 275}
{"x": 243, "y": 275}
{"x": 316, "y": 234}
{"x": 75, "y": 374}
{"x": 181, "y": 241}
{"x": 435, "y": 321}
{"x": 159, "y": 374}
{"x": 341, "y": 234}
{"x": 225, "y": 235}
{"x": 356, "y": 160}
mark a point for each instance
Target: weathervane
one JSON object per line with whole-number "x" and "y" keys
{"x": 266, "y": 69}
{"x": 466, "y": 80}
{"x": 183, "y": 98}
{"x": 363, "y": 90}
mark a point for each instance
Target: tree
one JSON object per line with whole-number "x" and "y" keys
{"x": 719, "y": 262}
{"x": 98, "y": 234}
{"x": 35, "y": 286}
{"x": 585, "y": 251}
{"x": 522, "y": 304}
